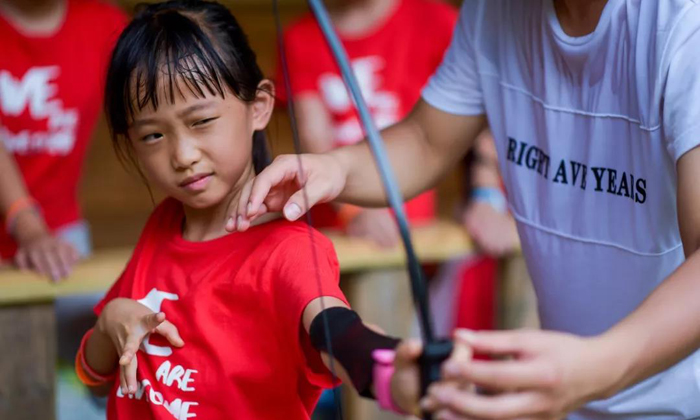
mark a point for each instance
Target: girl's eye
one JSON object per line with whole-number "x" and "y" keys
{"x": 151, "y": 137}
{"x": 204, "y": 121}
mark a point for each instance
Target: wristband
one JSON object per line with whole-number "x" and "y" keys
{"x": 491, "y": 196}
{"x": 20, "y": 205}
{"x": 382, "y": 371}
{"x": 84, "y": 372}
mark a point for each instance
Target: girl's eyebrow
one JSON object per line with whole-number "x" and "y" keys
{"x": 182, "y": 114}
{"x": 194, "y": 108}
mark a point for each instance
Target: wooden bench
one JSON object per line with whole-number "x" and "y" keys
{"x": 27, "y": 322}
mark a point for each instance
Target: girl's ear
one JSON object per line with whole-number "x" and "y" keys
{"x": 263, "y": 105}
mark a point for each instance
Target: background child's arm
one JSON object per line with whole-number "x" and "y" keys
{"x": 38, "y": 249}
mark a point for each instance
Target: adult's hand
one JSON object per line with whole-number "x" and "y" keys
{"x": 539, "y": 375}
{"x": 291, "y": 184}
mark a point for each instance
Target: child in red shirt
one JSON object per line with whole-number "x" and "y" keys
{"x": 187, "y": 104}
{"x": 52, "y": 66}
{"x": 394, "y": 47}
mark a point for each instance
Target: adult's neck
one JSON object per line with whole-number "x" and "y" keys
{"x": 355, "y": 18}
{"x": 579, "y": 17}
{"x": 35, "y": 17}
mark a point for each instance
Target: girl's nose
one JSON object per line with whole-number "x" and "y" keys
{"x": 185, "y": 153}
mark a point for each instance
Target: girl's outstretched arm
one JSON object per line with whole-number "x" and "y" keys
{"x": 352, "y": 344}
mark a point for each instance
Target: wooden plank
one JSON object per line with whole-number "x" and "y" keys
{"x": 27, "y": 361}
{"x": 436, "y": 242}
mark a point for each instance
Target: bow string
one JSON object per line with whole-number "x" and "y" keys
{"x": 434, "y": 350}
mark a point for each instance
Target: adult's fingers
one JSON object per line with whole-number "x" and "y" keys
{"x": 170, "y": 332}
{"x": 502, "y": 406}
{"x": 284, "y": 169}
{"x": 504, "y": 375}
{"x": 238, "y": 210}
{"x": 497, "y": 342}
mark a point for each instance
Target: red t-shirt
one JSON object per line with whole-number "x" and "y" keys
{"x": 237, "y": 302}
{"x": 392, "y": 64}
{"x": 51, "y": 91}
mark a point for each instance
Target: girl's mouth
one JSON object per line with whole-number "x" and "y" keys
{"x": 196, "y": 183}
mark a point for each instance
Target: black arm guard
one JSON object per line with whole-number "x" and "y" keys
{"x": 352, "y": 344}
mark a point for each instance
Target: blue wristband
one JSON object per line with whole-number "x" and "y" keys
{"x": 492, "y": 196}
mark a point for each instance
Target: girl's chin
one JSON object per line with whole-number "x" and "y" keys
{"x": 202, "y": 201}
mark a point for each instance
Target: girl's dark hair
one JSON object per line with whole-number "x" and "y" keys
{"x": 179, "y": 44}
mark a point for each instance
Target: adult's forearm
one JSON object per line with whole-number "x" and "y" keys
{"x": 661, "y": 332}
{"x": 422, "y": 148}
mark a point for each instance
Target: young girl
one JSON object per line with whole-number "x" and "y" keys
{"x": 187, "y": 104}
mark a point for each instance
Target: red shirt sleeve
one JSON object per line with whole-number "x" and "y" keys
{"x": 304, "y": 269}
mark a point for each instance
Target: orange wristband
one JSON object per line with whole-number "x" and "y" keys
{"x": 85, "y": 374}
{"x": 20, "y": 205}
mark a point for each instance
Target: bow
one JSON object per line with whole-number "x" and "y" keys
{"x": 434, "y": 351}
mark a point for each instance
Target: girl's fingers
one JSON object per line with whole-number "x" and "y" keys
{"x": 170, "y": 332}
{"x": 151, "y": 321}
{"x": 407, "y": 353}
{"x": 131, "y": 381}
{"x": 133, "y": 341}
{"x": 122, "y": 379}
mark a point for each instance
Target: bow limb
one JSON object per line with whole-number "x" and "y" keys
{"x": 435, "y": 351}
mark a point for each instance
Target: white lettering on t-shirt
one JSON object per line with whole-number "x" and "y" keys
{"x": 177, "y": 374}
{"x": 384, "y": 105}
{"x": 153, "y": 301}
{"x": 36, "y": 92}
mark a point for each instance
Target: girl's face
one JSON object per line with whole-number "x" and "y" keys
{"x": 199, "y": 149}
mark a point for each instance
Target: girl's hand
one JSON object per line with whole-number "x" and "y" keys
{"x": 546, "y": 376}
{"x": 406, "y": 382}
{"x": 127, "y": 323}
{"x": 279, "y": 188}
{"x": 38, "y": 250}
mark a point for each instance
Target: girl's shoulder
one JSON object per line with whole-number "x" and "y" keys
{"x": 295, "y": 242}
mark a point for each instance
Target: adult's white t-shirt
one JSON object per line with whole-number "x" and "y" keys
{"x": 588, "y": 131}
